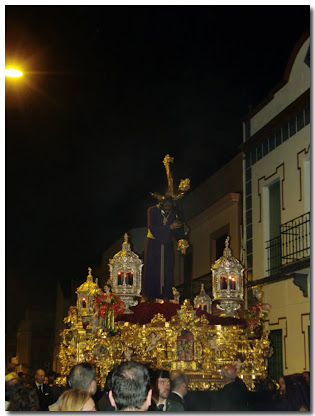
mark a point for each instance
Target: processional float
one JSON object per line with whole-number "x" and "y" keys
{"x": 108, "y": 327}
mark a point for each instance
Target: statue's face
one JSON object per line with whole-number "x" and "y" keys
{"x": 167, "y": 206}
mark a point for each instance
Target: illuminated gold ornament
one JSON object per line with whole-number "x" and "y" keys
{"x": 182, "y": 245}
{"x": 227, "y": 282}
{"x": 125, "y": 275}
{"x": 203, "y": 301}
{"x": 86, "y": 294}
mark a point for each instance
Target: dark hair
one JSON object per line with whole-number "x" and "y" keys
{"x": 130, "y": 385}
{"x": 24, "y": 398}
{"x": 81, "y": 376}
{"x": 108, "y": 381}
{"x": 158, "y": 373}
{"x": 11, "y": 386}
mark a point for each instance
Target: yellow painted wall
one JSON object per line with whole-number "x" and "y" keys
{"x": 290, "y": 312}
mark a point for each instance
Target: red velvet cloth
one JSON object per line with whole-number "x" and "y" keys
{"x": 144, "y": 312}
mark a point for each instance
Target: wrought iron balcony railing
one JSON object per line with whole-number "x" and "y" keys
{"x": 292, "y": 245}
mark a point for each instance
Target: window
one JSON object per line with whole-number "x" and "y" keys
{"x": 274, "y": 251}
{"x": 275, "y": 362}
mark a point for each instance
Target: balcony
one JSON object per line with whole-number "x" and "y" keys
{"x": 291, "y": 250}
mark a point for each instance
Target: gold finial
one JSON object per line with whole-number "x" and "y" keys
{"x": 202, "y": 287}
{"x": 89, "y": 276}
{"x": 125, "y": 244}
{"x": 227, "y": 251}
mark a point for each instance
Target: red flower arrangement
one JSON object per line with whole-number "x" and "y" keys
{"x": 109, "y": 301}
{"x": 254, "y": 315}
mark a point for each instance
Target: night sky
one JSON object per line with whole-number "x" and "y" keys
{"x": 108, "y": 91}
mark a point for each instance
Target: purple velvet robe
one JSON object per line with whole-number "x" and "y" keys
{"x": 154, "y": 257}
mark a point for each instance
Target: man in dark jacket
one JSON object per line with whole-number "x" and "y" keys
{"x": 160, "y": 381}
{"x": 179, "y": 387}
{"x": 233, "y": 396}
{"x": 43, "y": 390}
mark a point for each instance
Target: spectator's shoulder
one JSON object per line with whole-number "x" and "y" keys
{"x": 171, "y": 405}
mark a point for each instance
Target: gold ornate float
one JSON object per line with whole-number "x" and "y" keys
{"x": 185, "y": 341}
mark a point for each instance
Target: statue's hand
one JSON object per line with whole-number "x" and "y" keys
{"x": 175, "y": 224}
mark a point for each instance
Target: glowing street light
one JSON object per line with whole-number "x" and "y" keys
{"x": 13, "y": 73}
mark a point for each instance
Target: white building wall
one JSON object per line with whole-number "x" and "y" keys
{"x": 281, "y": 163}
{"x": 299, "y": 82}
{"x": 289, "y": 162}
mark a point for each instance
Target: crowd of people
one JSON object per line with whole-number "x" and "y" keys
{"x": 133, "y": 387}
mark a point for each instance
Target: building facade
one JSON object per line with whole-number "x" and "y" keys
{"x": 213, "y": 211}
{"x": 277, "y": 211}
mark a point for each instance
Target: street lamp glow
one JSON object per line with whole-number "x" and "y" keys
{"x": 13, "y": 73}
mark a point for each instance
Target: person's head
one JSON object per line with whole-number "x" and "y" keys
{"x": 307, "y": 378}
{"x": 130, "y": 387}
{"x": 297, "y": 392}
{"x": 83, "y": 377}
{"x": 229, "y": 373}
{"x": 161, "y": 384}
{"x": 76, "y": 401}
{"x": 282, "y": 384}
{"x": 40, "y": 376}
{"x": 179, "y": 382}
{"x": 24, "y": 398}
{"x": 51, "y": 377}
{"x": 10, "y": 376}
{"x": 270, "y": 385}
{"x": 11, "y": 385}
